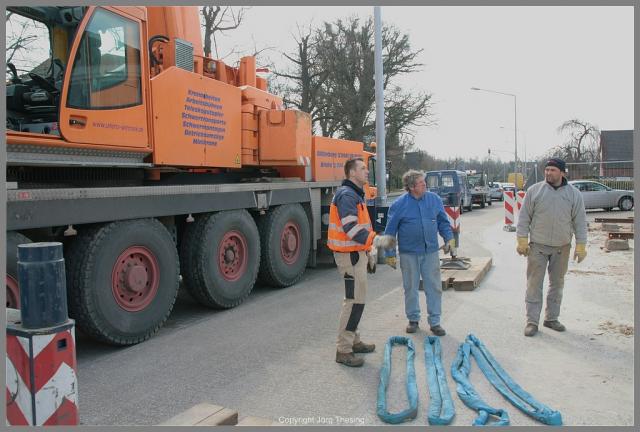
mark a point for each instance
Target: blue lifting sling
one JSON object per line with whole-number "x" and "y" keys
{"x": 499, "y": 378}
{"x": 412, "y": 388}
{"x": 460, "y": 372}
{"x": 441, "y": 409}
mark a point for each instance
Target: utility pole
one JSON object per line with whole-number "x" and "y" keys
{"x": 381, "y": 166}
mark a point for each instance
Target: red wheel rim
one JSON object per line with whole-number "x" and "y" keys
{"x": 290, "y": 243}
{"x": 135, "y": 278}
{"x": 13, "y": 293}
{"x": 232, "y": 255}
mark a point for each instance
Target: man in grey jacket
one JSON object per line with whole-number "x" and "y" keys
{"x": 552, "y": 212}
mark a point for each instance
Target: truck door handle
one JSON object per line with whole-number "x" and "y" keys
{"x": 77, "y": 122}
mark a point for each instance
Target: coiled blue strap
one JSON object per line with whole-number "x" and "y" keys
{"x": 499, "y": 378}
{"x": 412, "y": 387}
{"x": 460, "y": 372}
{"x": 441, "y": 409}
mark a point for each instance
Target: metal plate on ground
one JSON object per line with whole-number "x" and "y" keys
{"x": 466, "y": 280}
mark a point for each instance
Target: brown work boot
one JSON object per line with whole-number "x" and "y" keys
{"x": 530, "y": 329}
{"x": 555, "y": 325}
{"x": 412, "y": 327}
{"x": 363, "y": 348}
{"x": 438, "y": 330}
{"x": 348, "y": 359}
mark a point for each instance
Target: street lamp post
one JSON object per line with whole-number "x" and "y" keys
{"x": 515, "y": 129}
{"x": 525, "y": 163}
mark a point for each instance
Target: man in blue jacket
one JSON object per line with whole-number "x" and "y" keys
{"x": 416, "y": 218}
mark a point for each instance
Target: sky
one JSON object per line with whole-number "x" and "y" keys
{"x": 561, "y": 62}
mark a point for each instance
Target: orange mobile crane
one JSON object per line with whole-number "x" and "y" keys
{"x": 149, "y": 161}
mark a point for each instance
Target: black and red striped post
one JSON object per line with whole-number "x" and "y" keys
{"x": 41, "y": 381}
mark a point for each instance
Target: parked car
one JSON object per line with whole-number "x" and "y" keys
{"x": 508, "y": 187}
{"x": 597, "y": 195}
{"x": 496, "y": 191}
{"x": 452, "y": 186}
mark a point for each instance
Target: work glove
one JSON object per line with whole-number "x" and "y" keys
{"x": 391, "y": 262}
{"x": 449, "y": 246}
{"x": 523, "y": 246}
{"x": 384, "y": 242}
{"x": 580, "y": 252}
{"x": 372, "y": 260}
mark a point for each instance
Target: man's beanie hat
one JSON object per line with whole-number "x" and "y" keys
{"x": 558, "y": 163}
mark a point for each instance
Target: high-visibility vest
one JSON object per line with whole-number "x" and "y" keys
{"x": 338, "y": 241}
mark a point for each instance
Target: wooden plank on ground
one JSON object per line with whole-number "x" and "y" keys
{"x": 224, "y": 417}
{"x": 466, "y": 280}
{"x": 621, "y": 235}
{"x": 255, "y": 421}
{"x": 203, "y": 414}
{"x": 615, "y": 220}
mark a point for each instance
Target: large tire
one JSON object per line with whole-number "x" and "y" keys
{"x": 13, "y": 291}
{"x": 489, "y": 201}
{"x": 285, "y": 239}
{"x": 221, "y": 256}
{"x": 188, "y": 244}
{"x": 625, "y": 203}
{"x": 482, "y": 203}
{"x": 122, "y": 280}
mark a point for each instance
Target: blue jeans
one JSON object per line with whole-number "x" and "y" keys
{"x": 428, "y": 266}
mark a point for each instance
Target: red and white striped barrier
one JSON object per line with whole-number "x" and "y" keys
{"x": 520, "y": 199}
{"x": 509, "y": 211}
{"x": 41, "y": 381}
{"x": 453, "y": 214}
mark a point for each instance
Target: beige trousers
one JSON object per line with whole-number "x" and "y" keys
{"x": 352, "y": 266}
{"x": 541, "y": 258}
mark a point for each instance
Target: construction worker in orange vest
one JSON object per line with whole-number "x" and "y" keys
{"x": 354, "y": 244}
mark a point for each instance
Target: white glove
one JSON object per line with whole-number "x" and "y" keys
{"x": 384, "y": 241}
{"x": 372, "y": 259}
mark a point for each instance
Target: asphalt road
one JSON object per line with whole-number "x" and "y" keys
{"x": 273, "y": 356}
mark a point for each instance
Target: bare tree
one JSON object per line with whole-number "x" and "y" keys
{"x": 218, "y": 20}
{"x": 20, "y": 35}
{"x": 583, "y": 141}
{"x": 332, "y": 77}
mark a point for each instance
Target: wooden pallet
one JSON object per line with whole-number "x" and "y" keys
{"x": 466, "y": 280}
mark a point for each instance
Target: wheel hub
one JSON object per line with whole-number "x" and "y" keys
{"x": 135, "y": 278}
{"x": 290, "y": 243}
{"x": 232, "y": 256}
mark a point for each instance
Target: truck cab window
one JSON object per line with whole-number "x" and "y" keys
{"x": 106, "y": 71}
{"x": 31, "y": 92}
{"x": 447, "y": 181}
{"x": 372, "y": 171}
{"x": 28, "y": 46}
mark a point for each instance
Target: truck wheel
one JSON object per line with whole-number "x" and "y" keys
{"x": 285, "y": 239}
{"x": 489, "y": 201}
{"x": 122, "y": 280}
{"x": 13, "y": 291}
{"x": 188, "y": 244}
{"x": 222, "y": 258}
{"x": 482, "y": 203}
{"x": 625, "y": 203}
